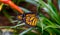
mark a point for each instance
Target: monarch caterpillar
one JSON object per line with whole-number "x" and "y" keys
{"x": 30, "y": 19}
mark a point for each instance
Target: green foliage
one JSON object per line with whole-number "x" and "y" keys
{"x": 53, "y": 22}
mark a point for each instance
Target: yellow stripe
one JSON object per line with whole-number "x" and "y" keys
{"x": 34, "y": 22}
{"x": 32, "y": 18}
{"x": 1, "y": 6}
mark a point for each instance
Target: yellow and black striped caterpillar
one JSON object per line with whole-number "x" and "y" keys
{"x": 30, "y": 19}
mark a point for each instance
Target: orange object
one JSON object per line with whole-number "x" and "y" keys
{"x": 12, "y": 5}
{"x": 5, "y": 1}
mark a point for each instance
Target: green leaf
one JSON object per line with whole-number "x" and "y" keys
{"x": 26, "y": 31}
{"x": 59, "y": 4}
